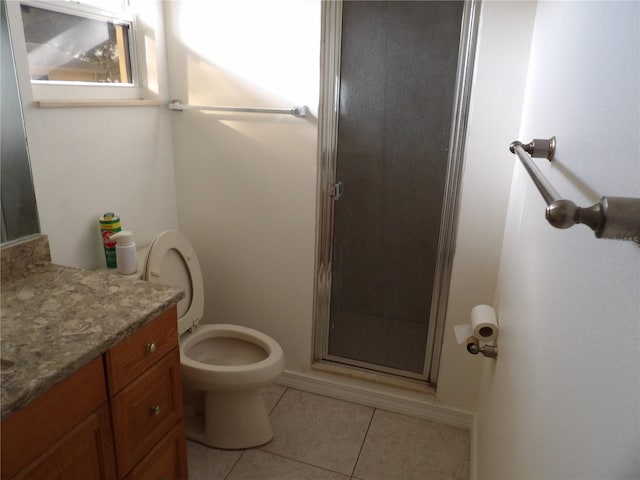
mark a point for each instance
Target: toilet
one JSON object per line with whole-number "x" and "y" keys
{"x": 223, "y": 366}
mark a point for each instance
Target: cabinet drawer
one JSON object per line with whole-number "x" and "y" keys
{"x": 135, "y": 354}
{"x": 167, "y": 460}
{"x": 145, "y": 410}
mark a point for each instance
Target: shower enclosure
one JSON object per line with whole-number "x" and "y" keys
{"x": 396, "y": 82}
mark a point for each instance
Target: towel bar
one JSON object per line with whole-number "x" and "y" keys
{"x": 616, "y": 218}
{"x": 296, "y": 111}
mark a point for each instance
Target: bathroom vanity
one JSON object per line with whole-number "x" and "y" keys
{"x": 90, "y": 373}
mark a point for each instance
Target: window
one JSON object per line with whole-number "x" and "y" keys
{"x": 74, "y": 43}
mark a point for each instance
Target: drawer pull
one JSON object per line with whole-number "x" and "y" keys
{"x": 151, "y": 347}
{"x": 155, "y": 410}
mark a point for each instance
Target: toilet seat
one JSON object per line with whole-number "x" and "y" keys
{"x": 230, "y": 377}
{"x": 172, "y": 261}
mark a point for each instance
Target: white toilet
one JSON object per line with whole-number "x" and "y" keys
{"x": 223, "y": 366}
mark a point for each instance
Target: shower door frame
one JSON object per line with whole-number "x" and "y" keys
{"x": 328, "y": 117}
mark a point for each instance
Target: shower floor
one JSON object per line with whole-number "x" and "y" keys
{"x": 379, "y": 341}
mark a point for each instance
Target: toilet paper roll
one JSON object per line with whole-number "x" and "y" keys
{"x": 483, "y": 325}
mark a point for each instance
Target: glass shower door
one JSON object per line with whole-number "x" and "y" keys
{"x": 397, "y": 89}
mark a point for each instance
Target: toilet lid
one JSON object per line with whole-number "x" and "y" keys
{"x": 172, "y": 261}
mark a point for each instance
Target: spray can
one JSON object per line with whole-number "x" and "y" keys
{"x": 109, "y": 224}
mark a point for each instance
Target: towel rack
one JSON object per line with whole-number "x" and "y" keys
{"x": 615, "y": 218}
{"x": 296, "y": 110}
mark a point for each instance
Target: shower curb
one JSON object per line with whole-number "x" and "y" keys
{"x": 392, "y": 400}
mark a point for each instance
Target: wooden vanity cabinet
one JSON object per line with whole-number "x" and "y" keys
{"x": 118, "y": 417}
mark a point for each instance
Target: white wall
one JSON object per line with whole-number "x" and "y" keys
{"x": 88, "y": 161}
{"x": 246, "y": 183}
{"x": 494, "y": 119}
{"x": 562, "y": 401}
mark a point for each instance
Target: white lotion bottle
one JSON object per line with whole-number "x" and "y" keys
{"x": 126, "y": 259}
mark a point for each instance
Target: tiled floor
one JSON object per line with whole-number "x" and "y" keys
{"x": 321, "y": 438}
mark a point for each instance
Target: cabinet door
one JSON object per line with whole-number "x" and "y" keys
{"x": 86, "y": 452}
{"x": 166, "y": 461}
{"x": 31, "y": 431}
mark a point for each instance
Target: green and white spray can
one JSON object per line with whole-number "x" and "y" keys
{"x": 109, "y": 224}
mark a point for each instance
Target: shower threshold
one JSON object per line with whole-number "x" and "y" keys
{"x": 373, "y": 376}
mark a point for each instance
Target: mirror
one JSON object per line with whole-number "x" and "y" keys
{"x": 18, "y": 210}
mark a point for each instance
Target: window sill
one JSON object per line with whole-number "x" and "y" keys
{"x": 97, "y": 103}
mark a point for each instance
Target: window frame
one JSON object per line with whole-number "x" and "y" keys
{"x": 70, "y": 90}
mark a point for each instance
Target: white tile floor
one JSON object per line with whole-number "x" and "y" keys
{"x": 321, "y": 438}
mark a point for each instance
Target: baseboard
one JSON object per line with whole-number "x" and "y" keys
{"x": 473, "y": 451}
{"x": 407, "y": 404}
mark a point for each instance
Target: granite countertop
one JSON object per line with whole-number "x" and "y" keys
{"x": 55, "y": 319}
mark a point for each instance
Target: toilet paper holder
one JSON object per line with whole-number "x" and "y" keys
{"x": 474, "y": 348}
{"x": 482, "y": 327}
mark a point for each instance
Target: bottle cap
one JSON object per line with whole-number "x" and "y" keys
{"x": 125, "y": 237}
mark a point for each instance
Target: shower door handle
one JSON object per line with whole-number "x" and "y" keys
{"x": 336, "y": 190}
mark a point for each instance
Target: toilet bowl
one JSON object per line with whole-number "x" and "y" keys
{"x": 223, "y": 366}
